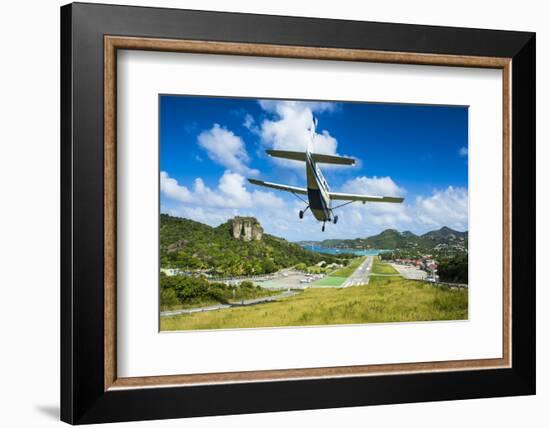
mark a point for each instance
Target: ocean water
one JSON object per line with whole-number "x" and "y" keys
{"x": 325, "y": 250}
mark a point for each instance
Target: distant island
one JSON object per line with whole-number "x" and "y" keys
{"x": 444, "y": 241}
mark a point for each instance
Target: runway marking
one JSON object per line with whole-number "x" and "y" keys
{"x": 361, "y": 275}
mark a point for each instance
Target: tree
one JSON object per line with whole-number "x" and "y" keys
{"x": 269, "y": 266}
{"x": 454, "y": 269}
{"x": 300, "y": 266}
{"x": 168, "y": 298}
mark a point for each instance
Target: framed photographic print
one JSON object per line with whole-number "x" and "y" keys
{"x": 272, "y": 213}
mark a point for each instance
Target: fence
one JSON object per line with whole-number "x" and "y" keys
{"x": 443, "y": 284}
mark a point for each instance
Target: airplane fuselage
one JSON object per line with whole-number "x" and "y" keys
{"x": 317, "y": 191}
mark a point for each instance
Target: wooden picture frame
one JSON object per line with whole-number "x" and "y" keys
{"x": 91, "y": 390}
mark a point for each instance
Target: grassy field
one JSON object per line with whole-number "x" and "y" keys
{"x": 330, "y": 281}
{"x": 379, "y": 267}
{"x": 385, "y": 299}
{"x": 349, "y": 269}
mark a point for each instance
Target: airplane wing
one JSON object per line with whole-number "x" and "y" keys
{"x": 363, "y": 198}
{"x": 283, "y": 187}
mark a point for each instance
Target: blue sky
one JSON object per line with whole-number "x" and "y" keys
{"x": 209, "y": 146}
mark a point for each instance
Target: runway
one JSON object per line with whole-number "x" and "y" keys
{"x": 361, "y": 274}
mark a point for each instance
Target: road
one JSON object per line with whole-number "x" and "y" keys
{"x": 285, "y": 279}
{"x": 410, "y": 272}
{"x": 288, "y": 293}
{"x": 361, "y": 274}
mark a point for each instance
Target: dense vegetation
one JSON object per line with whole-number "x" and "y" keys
{"x": 450, "y": 267}
{"x": 454, "y": 269}
{"x": 193, "y": 246}
{"x": 385, "y": 299}
{"x": 177, "y": 292}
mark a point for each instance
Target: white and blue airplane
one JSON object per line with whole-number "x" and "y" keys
{"x": 319, "y": 196}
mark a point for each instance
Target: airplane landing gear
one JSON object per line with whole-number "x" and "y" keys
{"x": 335, "y": 219}
{"x": 301, "y": 213}
{"x": 323, "y": 228}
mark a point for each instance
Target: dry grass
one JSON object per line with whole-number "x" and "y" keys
{"x": 385, "y": 299}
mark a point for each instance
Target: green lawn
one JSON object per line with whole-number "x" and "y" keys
{"x": 349, "y": 269}
{"x": 379, "y": 267}
{"x": 331, "y": 281}
{"x": 385, "y": 299}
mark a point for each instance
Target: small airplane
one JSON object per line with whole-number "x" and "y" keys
{"x": 318, "y": 193}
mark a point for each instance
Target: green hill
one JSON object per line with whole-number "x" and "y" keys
{"x": 445, "y": 235}
{"x": 391, "y": 239}
{"x": 190, "y": 245}
{"x": 388, "y": 239}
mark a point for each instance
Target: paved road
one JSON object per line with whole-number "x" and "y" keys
{"x": 410, "y": 272}
{"x": 385, "y": 274}
{"x": 361, "y": 274}
{"x": 249, "y": 302}
{"x": 291, "y": 280}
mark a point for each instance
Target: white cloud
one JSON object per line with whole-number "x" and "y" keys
{"x": 380, "y": 186}
{"x": 275, "y": 106}
{"x": 229, "y": 198}
{"x": 170, "y": 188}
{"x": 444, "y": 207}
{"x": 463, "y": 151}
{"x": 448, "y": 207}
{"x": 289, "y": 129}
{"x": 278, "y": 213}
{"x": 373, "y": 216}
{"x": 229, "y": 193}
{"x": 226, "y": 149}
{"x": 249, "y": 123}
{"x": 212, "y": 217}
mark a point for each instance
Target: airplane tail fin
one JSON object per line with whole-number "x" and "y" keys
{"x": 317, "y": 157}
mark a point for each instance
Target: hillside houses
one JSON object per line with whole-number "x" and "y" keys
{"x": 425, "y": 263}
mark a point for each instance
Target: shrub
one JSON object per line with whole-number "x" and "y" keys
{"x": 247, "y": 284}
{"x": 168, "y": 297}
{"x": 454, "y": 269}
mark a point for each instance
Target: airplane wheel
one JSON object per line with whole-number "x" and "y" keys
{"x": 335, "y": 219}
{"x": 323, "y": 228}
{"x": 301, "y": 214}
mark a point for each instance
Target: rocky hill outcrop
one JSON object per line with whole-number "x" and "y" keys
{"x": 246, "y": 229}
